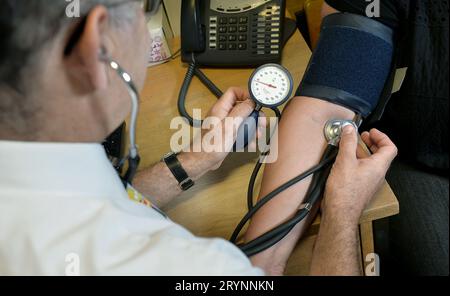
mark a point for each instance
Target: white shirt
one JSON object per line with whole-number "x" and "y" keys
{"x": 64, "y": 211}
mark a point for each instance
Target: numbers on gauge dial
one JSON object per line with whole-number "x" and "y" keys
{"x": 270, "y": 85}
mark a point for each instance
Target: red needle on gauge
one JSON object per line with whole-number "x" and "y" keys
{"x": 266, "y": 84}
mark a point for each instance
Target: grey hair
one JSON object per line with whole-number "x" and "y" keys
{"x": 26, "y": 26}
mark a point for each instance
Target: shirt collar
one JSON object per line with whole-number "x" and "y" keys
{"x": 81, "y": 169}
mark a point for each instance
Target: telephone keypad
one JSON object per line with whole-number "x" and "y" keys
{"x": 260, "y": 30}
{"x": 232, "y": 33}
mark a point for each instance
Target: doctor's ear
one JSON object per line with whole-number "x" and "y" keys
{"x": 83, "y": 50}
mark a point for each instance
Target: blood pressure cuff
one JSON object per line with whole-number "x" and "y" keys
{"x": 351, "y": 64}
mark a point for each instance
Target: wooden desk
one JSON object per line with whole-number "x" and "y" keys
{"x": 216, "y": 204}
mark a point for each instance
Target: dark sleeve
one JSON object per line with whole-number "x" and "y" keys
{"x": 389, "y": 14}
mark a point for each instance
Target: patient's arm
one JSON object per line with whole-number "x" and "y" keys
{"x": 301, "y": 145}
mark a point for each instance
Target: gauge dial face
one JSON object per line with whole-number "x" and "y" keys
{"x": 271, "y": 85}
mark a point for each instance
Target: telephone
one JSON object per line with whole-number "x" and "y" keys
{"x": 232, "y": 32}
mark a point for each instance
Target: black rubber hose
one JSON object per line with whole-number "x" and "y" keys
{"x": 277, "y": 112}
{"x": 274, "y": 193}
{"x": 315, "y": 193}
{"x": 279, "y": 232}
{"x": 251, "y": 184}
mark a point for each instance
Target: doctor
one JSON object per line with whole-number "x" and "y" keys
{"x": 64, "y": 210}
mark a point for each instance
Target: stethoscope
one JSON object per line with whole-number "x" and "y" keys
{"x": 270, "y": 86}
{"x": 333, "y": 131}
{"x": 132, "y": 157}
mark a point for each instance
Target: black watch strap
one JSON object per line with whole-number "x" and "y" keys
{"x": 174, "y": 165}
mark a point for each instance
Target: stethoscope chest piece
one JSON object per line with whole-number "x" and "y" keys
{"x": 333, "y": 130}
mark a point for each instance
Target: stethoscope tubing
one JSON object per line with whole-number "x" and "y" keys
{"x": 327, "y": 160}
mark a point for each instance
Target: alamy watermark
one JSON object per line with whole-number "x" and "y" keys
{"x": 72, "y": 264}
{"x": 373, "y": 9}
{"x": 372, "y": 261}
{"x": 73, "y": 9}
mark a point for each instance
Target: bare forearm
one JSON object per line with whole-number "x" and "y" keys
{"x": 354, "y": 180}
{"x": 336, "y": 249}
{"x": 159, "y": 184}
{"x": 300, "y": 147}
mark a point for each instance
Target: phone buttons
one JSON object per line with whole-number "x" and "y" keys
{"x": 222, "y": 46}
{"x": 223, "y": 38}
{"x": 243, "y": 20}
{"x": 242, "y": 37}
{"x": 242, "y": 46}
{"x": 223, "y": 21}
{"x": 232, "y": 20}
{"x": 222, "y": 29}
{"x": 232, "y": 38}
{"x": 232, "y": 29}
{"x": 232, "y": 46}
{"x": 243, "y": 29}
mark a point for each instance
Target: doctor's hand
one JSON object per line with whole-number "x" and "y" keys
{"x": 357, "y": 176}
{"x": 219, "y": 130}
{"x": 208, "y": 150}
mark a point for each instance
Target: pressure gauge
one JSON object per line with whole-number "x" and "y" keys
{"x": 270, "y": 85}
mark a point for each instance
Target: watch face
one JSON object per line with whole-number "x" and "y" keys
{"x": 271, "y": 85}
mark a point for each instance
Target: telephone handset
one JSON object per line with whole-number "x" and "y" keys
{"x": 192, "y": 29}
{"x": 232, "y": 32}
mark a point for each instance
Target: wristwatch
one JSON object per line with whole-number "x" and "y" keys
{"x": 174, "y": 165}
